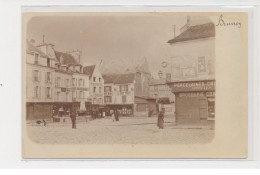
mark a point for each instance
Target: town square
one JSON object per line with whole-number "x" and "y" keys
{"x": 111, "y": 79}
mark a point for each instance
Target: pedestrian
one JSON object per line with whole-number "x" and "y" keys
{"x": 160, "y": 121}
{"x": 73, "y": 118}
{"x": 44, "y": 122}
{"x": 116, "y": 115}
{"x": 113, "y": 115}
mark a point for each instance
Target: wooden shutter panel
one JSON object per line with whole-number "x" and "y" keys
{"x": 39, "y": 92}
{"x": 34, "y": 92}
{"x": 51, "y": 77}
{"x": 32, "y": 75}
{"x": 39, "y": 75}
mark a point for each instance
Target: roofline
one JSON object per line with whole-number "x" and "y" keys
{"x": 190, "y": 40}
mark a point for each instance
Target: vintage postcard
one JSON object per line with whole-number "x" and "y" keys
{"x": 135, "y": 85}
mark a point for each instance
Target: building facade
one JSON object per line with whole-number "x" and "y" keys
{"x": 63, "y": 89}
{"x": 119, "y": 92}
{"x": 193, "y": 74}
{"x": 40, "y": 83}
{"x": 96, "y": 84}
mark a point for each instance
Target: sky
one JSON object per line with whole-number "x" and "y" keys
{"x": 117, "y": 40}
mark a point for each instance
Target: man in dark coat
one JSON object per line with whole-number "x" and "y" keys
{"x": 116, "y": 115}
{"x": 73, "y": 117}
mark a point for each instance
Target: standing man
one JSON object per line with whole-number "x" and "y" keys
{"x": 73, "y": 117}
{"x": 116, "y": 115}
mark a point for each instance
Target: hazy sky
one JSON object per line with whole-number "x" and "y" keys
{"x": 129, "y": 38}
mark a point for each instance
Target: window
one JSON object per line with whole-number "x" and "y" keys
{"x": 75, "y": 94}
{"x": 48, "y": 77}
{"x": 83, "y": 95}
{"x": 94, "y": 101}
{"x": 58, "y": 95}
{"x": 48, "y": 92}
{"x": 83, "y": 83}
{"x": 94, "y": 89}
{"x": 99, "y": 79}
{"x": 73, "y": 82}
{"x": 79, "y": 83}
{"x": 94, "y": 79}
{"x": 67, "y": 82}
{"x": 58, "y": 82}
{"x": 123, "y": 99}
{"x": 100, "y": 90}
{"x": 37, "y": 91}
{"x": 36, "y": 61}
{"x": 100, "y": 101}
{"x": 36, "y": 75}
{"x": 67, "y": 96}
{"x": 108, "y": 99}
{"x": 108, "y": 88}
{"x": 123, "y": 88}
{"x": 48, "y": 62}
{"x": 80, "y": 94}
{"x": 155, "y": 87}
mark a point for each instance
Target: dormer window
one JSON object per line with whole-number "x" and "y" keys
{"x": 36, "y": 61}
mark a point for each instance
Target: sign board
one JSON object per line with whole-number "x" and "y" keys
{"x": 193, "y": 86}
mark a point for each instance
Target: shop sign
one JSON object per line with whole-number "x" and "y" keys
{"x": 193, "y": 86}
{"x": 196, "y": 94}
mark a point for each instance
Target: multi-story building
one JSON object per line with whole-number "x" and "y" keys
{"x": 40, "y": 84}
{"x": 193, "y": 75}
{"x": 119, "y": 92}
{"x": 63, "y": 88}
{"x": 79, "y": 81}
{"x": 96, "y": 84}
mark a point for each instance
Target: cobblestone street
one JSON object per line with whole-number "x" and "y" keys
{"x": 126, "y": 131}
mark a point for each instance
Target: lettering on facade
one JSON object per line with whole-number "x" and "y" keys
{"x": 197, "y": 94}
{"x": 193, "y": 86}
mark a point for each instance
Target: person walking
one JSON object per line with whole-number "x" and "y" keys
{"x": 160, "y": 121}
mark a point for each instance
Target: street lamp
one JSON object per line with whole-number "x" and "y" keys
{"x": 160, "y": 74}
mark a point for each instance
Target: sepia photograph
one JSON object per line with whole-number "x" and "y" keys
{"x": 121, "y": 79}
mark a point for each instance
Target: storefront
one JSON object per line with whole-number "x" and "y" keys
{"x": 195, "y": 101}
{"x": 123, "y": 109}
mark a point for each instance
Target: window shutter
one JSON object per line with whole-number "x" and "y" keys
{"x": 51, "y": 77}
{"x": 46, "y": 76}
{"x": 32, "y": 75}
{"x": 39, "y": 76}
{"x": 34, "y": 91}
{"x": 39, "y": 92}
{"x": 46, "y": 89}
